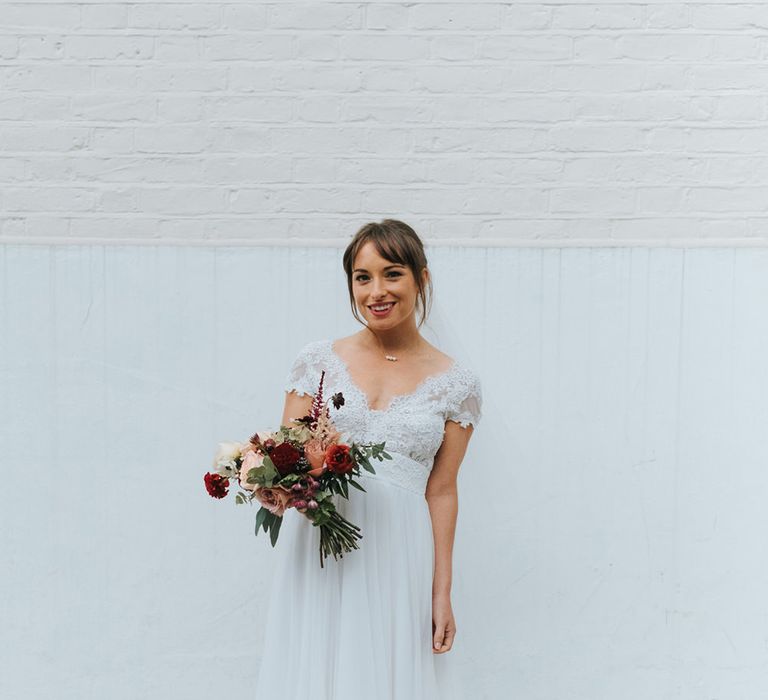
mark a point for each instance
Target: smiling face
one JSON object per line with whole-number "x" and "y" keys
{"x": 380, "y": 283}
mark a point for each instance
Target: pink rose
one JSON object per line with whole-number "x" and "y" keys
{"x": 250, "y": 460}
{"x": 274, "y": 499}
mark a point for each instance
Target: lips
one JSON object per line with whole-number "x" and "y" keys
{"x": 382, "y": 314}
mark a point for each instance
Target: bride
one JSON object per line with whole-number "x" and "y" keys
{"x": 378, "y": 622}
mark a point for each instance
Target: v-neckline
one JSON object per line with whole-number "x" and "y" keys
{"x": 395, "y": 397}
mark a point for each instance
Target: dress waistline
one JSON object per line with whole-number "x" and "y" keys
{"x": 401, "y": 470}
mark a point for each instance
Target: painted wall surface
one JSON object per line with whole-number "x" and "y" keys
{"x": 558, "y": 120}
{"x": 177, "y": 183}
{"x": 614, "y": 548}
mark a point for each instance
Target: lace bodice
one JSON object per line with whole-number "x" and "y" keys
{"x": 413, "y": 424}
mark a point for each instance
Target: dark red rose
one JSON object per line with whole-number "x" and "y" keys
{"x": 216, "y": 485}
{"x": 284, "y": 456}
{"x": 338, "y": 459}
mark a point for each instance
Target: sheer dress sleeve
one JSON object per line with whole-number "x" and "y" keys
{"x": 466, "y": 406}
{"x": 301, "y": 376}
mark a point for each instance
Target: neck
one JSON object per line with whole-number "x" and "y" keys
{"x": 395, "y": 340}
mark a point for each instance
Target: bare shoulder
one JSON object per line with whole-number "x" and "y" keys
{"x": 346, "y": 344}
{"x": 437, "y": 358}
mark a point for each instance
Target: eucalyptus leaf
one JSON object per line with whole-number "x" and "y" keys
{"x": 263, "y": 512}
{"x": 275, "y": 530}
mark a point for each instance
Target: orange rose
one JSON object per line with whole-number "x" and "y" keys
{"x": 274, "y": 499}
{"x": 315, "y": 454}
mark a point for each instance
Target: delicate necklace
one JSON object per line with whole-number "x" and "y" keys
{"x": 389, "y": 357}
{"x": 392, "y": 358}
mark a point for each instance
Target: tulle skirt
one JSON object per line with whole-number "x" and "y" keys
{"x": 361, "y": 626}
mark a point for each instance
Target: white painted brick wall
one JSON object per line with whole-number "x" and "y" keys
{"x": 538, "y": 123}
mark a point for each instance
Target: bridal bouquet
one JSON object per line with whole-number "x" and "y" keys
{"x": 300, "y": 466}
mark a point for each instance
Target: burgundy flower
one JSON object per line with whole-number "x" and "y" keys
{"x": 337, "y": 399}
{"x": 284, "y": 456}
{"x": 216, "y": 485}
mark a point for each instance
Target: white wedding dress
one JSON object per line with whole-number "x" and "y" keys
{"x": 361, "y": 627}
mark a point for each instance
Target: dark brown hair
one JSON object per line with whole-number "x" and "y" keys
{"x": 398, "y": 243}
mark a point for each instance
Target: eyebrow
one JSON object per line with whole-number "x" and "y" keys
{"x": 362, "y": 269}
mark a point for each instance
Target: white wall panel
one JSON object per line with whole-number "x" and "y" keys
{"x": 559, "y": 120}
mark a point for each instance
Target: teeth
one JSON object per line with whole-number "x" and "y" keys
{"x": 382, "y": 308}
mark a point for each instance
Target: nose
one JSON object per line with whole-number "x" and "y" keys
{"x": 378, "y": 289}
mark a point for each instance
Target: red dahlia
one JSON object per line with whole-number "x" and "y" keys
{"x": 284, "y": 456}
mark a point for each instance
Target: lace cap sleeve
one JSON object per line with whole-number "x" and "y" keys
{"x": 303, "y": 376}
{"x": 466, "y": 405}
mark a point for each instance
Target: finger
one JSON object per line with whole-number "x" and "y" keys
{"x": 439, "y": 637}
{"x": 448, "y": 639}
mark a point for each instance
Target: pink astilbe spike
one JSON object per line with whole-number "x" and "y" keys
{"x": 324, "y": 427}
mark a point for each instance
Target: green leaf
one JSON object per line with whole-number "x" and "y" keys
{"x": 276, "y": 523}
{"x": 268, "y": 471}
{"x": 263, "y": 512}
{"x": 356, "y": 485}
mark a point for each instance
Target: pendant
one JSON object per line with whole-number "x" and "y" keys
{"x": 390, "y": 357}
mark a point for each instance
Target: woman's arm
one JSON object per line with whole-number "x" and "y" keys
{"x": 295, "y": 406}
{"x": 443, "y": 501}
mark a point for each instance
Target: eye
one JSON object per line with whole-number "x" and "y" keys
{"x": 392, "y": 273}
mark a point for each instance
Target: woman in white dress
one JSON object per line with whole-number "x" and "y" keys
{"x": 377, "y": 623}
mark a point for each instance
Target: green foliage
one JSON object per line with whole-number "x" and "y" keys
{"x": 356, "y": 485}
{"x": 296, "y": 434}
{"x": 362, "y": 454}
{"x": 275, "y": 529}
{"x": 290, "y": 479}
{"x": 268, "y": 521}
{"x": 265, "y": 475}
{"x": 261, "y": 517}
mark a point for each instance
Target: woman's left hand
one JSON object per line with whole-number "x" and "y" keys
{"x": 443, "y": 624}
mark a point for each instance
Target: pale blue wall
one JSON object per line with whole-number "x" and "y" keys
{"x": 622, "y": 556}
